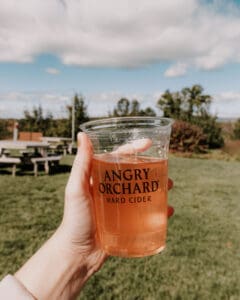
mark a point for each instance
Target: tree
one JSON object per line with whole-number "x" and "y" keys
{"x": 131, "y": 108}
{"x": 80, "y": 111}
{"x": 135, "y": 108}
{"x": 148, "y": 112}
{"x": 196, "y": 103}
{"x": 236, "y": 130}
{"x": 35, "y": 121}
{"x": 171, "y": 105}
{"x": 211, "y": 129}
{"x": 4, "y": 131}
{"x": 186, "y": 104}
{"x": 193, "y": 106}
{"x": 122, "y": 108}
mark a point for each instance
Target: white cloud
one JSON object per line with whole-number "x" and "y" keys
{"x": 50, "y": 102}
{"x": 121, "y": 33}
{"x": 226, "y": 104}
{"x": 178, "y": 69}
{"x": 52, "y": 71}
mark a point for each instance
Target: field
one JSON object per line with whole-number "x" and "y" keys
{"x": 202, "y": 258}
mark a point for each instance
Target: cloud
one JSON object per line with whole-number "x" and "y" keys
{"x": 226, "y": 104}
{"x": 122, "y": 33}
{"x": 50, "y": 102}
{"x": 52, "y": 71}
{"x": 178, "y": 69}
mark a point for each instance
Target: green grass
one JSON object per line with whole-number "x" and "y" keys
{"x": 202, "y": 258}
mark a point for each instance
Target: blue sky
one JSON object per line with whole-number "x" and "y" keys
{"x": 112, "y": 49}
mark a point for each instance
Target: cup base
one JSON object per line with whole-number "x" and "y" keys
{"x": 134, "y": 245}
{"x": 128, "y": 254}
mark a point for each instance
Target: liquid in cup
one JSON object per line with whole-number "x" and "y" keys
{"x": 130, "y": 203}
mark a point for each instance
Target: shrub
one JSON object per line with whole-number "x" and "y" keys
{"x": 4, "y": 129}
{"x": 211, "y": 129}
{"x": 236, "y": 130}
{"x": 186, "y": 137}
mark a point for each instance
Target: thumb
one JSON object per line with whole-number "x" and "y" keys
{"x": 78, "y": 183}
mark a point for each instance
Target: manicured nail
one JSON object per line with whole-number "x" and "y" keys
{"x": 170, "y": 211}
{"x": 170, "y": 183}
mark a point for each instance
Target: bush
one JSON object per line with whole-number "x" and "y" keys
{"x": 186, "y": 137}
{"x": 4, "y": 130}
{"x": 236, "y": 130}
{"x": 211, "y": 129}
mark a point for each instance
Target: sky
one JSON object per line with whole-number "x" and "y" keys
{"x": 105, "y": 50}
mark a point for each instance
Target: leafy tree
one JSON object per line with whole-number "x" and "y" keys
{"x": 186, "y": 104}
{"x": 148, "y": 112}
{"x": 193, "y": 106}
{"x": 125, "y": 107}
{"x": 122, "y": 108}
{"x": 236, "y": 130}
{"x": 80, "y": 112}
{"x": 197, "y": 104}
{"x": 4, "y": 131}
{"x": 171, "y": 105}
{"x": 58, "y": 127}
{"x": 211, "y": 129}
{"x": 35, "y": 121}
{"x": 135, "y": 108}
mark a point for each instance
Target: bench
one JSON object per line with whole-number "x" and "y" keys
{"x": 10, "y": 161}
{"x": 47, "y": 161}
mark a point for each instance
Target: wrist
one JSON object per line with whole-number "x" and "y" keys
{"x": 84, "y": 260}
{"x": 54, "y": 273}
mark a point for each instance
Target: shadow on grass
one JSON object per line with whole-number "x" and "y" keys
{"x": 28, "y": 170}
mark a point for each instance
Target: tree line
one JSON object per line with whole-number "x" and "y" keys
{"x": 190, "y": 105}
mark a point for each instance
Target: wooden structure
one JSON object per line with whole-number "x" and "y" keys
{"x": 38, "y": 157}
{"x": 30, "y": 136}
{"x": 10, "y": 161}
{"x": 59, "y": 143}
{"x": 47, "y": 161}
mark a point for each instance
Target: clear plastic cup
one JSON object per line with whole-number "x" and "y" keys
{"x": 130, "y": 176}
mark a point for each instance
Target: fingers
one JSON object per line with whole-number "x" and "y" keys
{"x": 78, "y": 182}
{"x": 133, "y": 147}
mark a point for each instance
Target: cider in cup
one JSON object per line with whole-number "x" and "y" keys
{"x": 130, "y": 184}
{"x": 130, "y": 204}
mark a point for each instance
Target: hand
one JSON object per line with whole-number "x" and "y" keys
{"x": 59, "y": 269}
{"x": 71, "y": 255}
{"x": 78, "y": 227}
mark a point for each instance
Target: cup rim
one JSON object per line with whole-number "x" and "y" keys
{"x": 91, "y": 126}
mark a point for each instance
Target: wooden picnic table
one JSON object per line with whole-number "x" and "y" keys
{"x": 40, "y": 155}
{"x": 23, "y": 145}
{"x": 59, "y": 142}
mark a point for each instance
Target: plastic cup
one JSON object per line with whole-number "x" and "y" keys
{"x": 130, "y": 176}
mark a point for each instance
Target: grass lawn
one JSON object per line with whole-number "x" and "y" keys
{"x": 202, "y": 258}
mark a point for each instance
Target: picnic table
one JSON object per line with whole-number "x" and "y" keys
{"x": 38, "y": 157}
{"x": 62, "y": 143}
